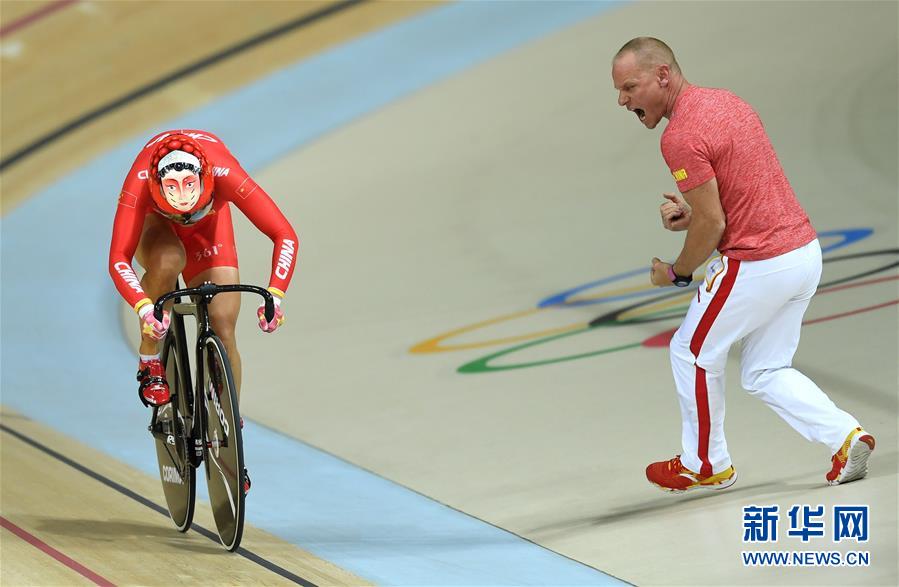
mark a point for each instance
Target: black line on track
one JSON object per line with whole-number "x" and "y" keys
{"x": 611, "y": 317}
{"x": 158, "y": 84}
{"x": 249, "y": 555}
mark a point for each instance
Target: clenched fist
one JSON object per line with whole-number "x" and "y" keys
{"x": 676, "y": 212}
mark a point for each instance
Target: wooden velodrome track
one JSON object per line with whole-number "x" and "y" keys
{"x": 429, "y": 229}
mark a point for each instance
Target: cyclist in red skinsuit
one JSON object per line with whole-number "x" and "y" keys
{"x": 174, "y": 216}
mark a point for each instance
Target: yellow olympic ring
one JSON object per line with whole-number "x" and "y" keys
{"x": 434, "y": 345}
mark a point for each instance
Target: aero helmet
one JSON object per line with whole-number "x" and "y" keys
{"x": 175, "y": 153}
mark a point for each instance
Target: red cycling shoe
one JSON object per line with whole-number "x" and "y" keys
{"x": 153, "y": 389}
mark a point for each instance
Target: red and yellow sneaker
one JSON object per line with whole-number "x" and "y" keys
{"x": 153, "y": 390}
{"x": 850, "y": 463}
{"x": 675, "y": 477}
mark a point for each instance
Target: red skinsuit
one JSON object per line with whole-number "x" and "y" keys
{"x": 210, "y": 241}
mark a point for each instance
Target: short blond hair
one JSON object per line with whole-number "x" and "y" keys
{"x": 649, "y": 52}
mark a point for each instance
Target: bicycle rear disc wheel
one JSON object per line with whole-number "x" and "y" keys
{"x": 224, "y": 442}
{"x": 173, "y": 420}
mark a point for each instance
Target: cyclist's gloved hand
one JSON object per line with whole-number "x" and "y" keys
{"x": 277, "y": 321}
{"x": 151, "y": 326}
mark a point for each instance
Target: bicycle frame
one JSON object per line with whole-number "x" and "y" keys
{"x": 198, "y": 414}
{"x": 204, "y": 294}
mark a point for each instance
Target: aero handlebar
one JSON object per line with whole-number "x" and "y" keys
{"x": 209, "y": 290}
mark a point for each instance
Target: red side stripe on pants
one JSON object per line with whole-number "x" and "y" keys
{"x": 699, "y": 336}
{"x": 705, "y": 421}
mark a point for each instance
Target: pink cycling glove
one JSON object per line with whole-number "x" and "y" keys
{"x": 151, "y": 326}
{"x": 277, "y": 321}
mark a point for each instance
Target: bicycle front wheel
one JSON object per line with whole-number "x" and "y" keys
{"x": 224, "y": 444}
{"x": 172, "y": 424}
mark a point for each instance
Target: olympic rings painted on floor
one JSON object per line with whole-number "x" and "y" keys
{"x": 666, "y": 305}
{"x": 483, "y": 364}
{"x": 562, "y": 300}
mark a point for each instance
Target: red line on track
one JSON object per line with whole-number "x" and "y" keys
{"x": 850, "y": 313}
{"x": 72, "y": 564}
{"x": 852, "y": 284}
{"x": 35, "y": 16}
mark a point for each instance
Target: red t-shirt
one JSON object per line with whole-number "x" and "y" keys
{"x": 713, "y": 133}
{"x": 232, "y": 185}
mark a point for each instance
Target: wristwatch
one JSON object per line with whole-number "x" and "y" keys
{"x": 678, "y": 280}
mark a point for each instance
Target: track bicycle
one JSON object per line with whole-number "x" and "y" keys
{"x": 201, "y": 424}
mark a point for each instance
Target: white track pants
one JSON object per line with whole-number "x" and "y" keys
{"x": 762, "y": 303}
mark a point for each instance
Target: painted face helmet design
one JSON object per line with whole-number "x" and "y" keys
{"x": 181, "y": 178}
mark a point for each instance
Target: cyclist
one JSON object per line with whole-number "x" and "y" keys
{"x": 174, "y": 216}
